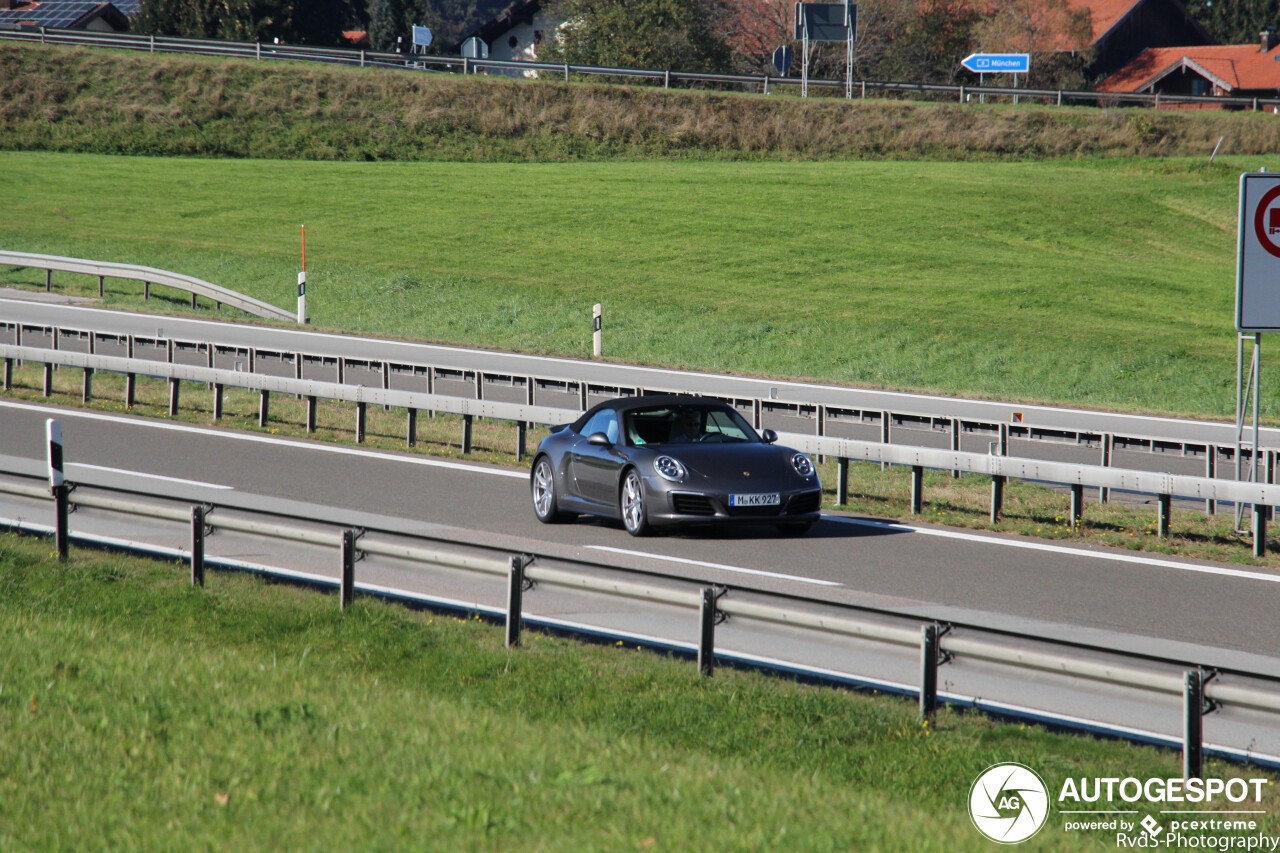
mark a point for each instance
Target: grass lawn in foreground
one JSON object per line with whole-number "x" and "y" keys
{"x": 139, "y": 713}
{"x": 1098, "y": 283}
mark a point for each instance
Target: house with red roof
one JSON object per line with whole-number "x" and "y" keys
{"x": 1237, "y": 70}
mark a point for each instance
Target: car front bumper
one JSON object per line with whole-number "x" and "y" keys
{"x": 682, "y": 506}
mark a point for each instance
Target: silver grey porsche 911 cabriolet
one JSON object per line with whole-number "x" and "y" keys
{"x": 660, "y": 461}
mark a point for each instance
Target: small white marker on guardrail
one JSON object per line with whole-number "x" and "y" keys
{"x": 597, "y": 335}
{"x": 53, "y": 430}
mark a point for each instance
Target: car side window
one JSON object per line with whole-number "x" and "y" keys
{"x": 605, "y": 421}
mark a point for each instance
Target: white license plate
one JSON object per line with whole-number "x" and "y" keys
{"x": 755, "y": 500}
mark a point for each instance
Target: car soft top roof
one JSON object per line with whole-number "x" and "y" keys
{"x": 626, "y": 404}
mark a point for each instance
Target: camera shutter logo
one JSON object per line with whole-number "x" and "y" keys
{"x": 1009, "y": 803}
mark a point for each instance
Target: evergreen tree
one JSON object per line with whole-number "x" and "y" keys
{"x": 388, "y": 19}
{"x": 679, "y": 34}
{"x": 1235, "y": 21}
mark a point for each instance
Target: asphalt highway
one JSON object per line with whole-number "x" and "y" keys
{"x": 1215, "y": 614}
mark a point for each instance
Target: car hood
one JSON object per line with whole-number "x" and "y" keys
{"x": 719, "y": 462}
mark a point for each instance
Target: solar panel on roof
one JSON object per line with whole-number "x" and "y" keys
{"x": 50, "y": 13}
{"x": 128, "y": 7}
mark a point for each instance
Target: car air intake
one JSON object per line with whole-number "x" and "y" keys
{"x": 692, "y": 505}
{"x": 808, "y": 502}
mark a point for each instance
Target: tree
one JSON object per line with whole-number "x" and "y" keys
{"x": 388, "y": 19}
{"x": 1235, "y": 21}
{"x": 213, "y": 19}
{"x": 676, "y": 34}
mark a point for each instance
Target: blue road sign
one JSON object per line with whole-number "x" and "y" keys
{"x": 998, "y": 63}
{"x": 422, "y": 36}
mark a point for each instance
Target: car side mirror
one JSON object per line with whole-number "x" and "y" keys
{"x": 769, "y": 436}
{"x": 599, "y": 439}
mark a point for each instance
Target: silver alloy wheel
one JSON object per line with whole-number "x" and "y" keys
{"x": 544, "y": 489}
{"x": 632, "y": 502}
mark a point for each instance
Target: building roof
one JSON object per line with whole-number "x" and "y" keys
{"x": 1231, "y": 67}
{"x": 64, "y": 14}
{"x": 519, "y": 12}
{"x": 1105, "y": 16}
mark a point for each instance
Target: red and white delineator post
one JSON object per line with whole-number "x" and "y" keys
{"x": 302, "y": 282}
{"x": 57, "y": 486}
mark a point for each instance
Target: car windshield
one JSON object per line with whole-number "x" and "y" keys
{"x": 687, "y": 424}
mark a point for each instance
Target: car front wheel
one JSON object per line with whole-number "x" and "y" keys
{"x": 543, "y": 487}
{"x": 631, "y": 504}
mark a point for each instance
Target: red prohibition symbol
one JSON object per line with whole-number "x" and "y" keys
{"x": 1265, "y": 226}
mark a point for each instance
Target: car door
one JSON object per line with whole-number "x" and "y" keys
{"x": 594, "y": 468}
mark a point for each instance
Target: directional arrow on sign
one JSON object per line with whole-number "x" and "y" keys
{"x": 998, "y": 63}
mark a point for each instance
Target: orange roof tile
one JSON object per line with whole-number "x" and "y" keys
{"x": 1105, "y": 14}
{"x": 1237, "y": 66}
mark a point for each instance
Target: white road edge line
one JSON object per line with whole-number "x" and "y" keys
{"x": 149, "y": 476}
{"x": 720, "y": 566}
{"x": 1054, "y": 549}
{"x": 265, "y": 439}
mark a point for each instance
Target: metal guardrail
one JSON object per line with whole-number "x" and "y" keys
{"x": 754, "y": 82}
{"x": 939, "y": 643}
{"x": 149, "y": 275}
{"x": 1261, "y": 496}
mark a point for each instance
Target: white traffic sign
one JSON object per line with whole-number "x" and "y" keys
{"x": 1258, "y": 254}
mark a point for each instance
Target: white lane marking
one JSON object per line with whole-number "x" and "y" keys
{"x": 148, "y": 476}
{"x": 901, "y": 395}
{"x": 1055, "y": 549}
{"x": 266, "y": 439}
{"x": 720, "y": 566}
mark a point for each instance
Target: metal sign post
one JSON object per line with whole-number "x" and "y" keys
{"x": 1257, "y": 305}
{"x": 818, "y": 22}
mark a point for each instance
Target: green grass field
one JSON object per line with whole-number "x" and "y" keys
{"x": 138, "y": 713}
{"x": 1107, "y": 284}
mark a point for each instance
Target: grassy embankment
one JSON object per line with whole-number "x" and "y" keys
{"x": 93, "y": 100}
{"x": 138, "y": 713}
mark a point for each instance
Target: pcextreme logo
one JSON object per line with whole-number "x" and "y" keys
{"x": 1009, "y": 803}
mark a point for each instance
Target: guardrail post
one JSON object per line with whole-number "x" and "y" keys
{"x": 929, "y": 660}
{"x": 842, "y": 481}
{"x": 174, "y": 385}
{"x": 566, "y": 72}
{"x": 1211, "y": 471}
{"x": 146, "y": 290}
{"x": 217, "y": 401}
{"x": 516, "y": 586}
{"x": 61, "y": 531}
{"x": 101, "y": 286}
{"x": 347, "y": 589}
{"x": 8, "y": 373}
{"x": 1164, "y": 508}
{"x": 1108, "y": 446}
{"x": 264, "y": 407}
{"x": 666, "y": 79}
{"x": 522, "y": 439}
{"x": 956, "y": 433}
{"x": 708, "y": 618}
{"x": 411, "y": 428}
{"x": 1077, "y": 505}
{"x": 466, "y": 433}
{"x": 917, "y": 489}
{"x": 997, "y": 497}
{"x": 48, "y": 380}
{"x": 1004, "y": 440}
{"x": 48, "y": 281}
{"x": 1260, "y": 514}
{"x": 87, "y": 390}
{"x": 311, "y": 413}
{"x": 193, "y": 301}
{"x": 360, "y": 421}
{"x": 130, "y": 389}
{"x": 884, "y": 436}
{"x": 197, "y": 546}
{"x": 1192, "y": 724}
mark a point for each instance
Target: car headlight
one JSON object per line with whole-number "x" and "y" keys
{"x": 669, "y": 468}
{"x": 802, "y": 465}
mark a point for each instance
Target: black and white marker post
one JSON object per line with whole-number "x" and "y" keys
{"x": 597, "y": 335}
{"x": 302, "y": 282}
{"x": 57, "y": 486}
